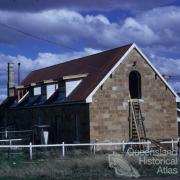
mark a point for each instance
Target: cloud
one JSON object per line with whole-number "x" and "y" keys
{"x": 170, "y": 67}
{"x": 155, "y": 28}
{"x": 60, "y": 25}
{"x": 28, "y": 64}
{"x": 137, "y": 31}
{"x": 164, "y": 23}
{"x": 70, "y": 27}
{"x": 82, "y": 5}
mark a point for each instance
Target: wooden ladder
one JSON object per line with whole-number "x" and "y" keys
{"x": 137, "y": 129}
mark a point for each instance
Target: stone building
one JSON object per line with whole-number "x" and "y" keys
{"x": 114, "y": 95}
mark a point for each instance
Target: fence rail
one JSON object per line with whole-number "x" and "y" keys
{"x": 14, "y": 134}
{"x": 172, "y": 142}
{"x": 93, "y": 146}
{"x": 63, "y": 146}
{"x": 10, "y": 140}
{"x": 7, "y": 131}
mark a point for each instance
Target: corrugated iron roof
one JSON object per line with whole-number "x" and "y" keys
{"x": 96, "y": 66}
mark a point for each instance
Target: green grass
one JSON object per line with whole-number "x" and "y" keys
{"x": 91, "y": 167}
{"x": 73, "y": 166}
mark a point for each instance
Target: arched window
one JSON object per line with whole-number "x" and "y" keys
{"x": 135, "y": 85}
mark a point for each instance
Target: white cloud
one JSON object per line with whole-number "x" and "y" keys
{"x": 63, "y": 25}
{"x": 70, "y": 27}
{"x": 138, "y": 32}
{"x": 165, "y": 65}
{"x": 156, "y": 27}
{"x": 170, "y": 67}
{"x": 164, "y": 22}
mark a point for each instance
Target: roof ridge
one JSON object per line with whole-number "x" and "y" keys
{"x": 130, "y": 44}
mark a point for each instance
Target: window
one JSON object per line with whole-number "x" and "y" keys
{"x": 156, "y": 76}
{"x": 37, "y": 91}
{"x": 135, "y": 85}
{"x": 20, "y": 93}
{"x": 71, "y": 85}
{"x": 51, "y": 89}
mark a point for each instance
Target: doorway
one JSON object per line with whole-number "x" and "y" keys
{"x": 135, "y": 85}
{"x": 57, "y": 130}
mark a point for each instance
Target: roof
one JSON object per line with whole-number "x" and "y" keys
{"x": 96, "y": 66}
{"x": 8, "y": 101}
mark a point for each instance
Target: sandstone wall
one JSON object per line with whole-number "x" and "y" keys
{"x": 109, "y": 109}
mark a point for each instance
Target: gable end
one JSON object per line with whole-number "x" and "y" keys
{"x": 133, "y": 46}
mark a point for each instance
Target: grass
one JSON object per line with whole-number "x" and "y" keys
{"x": 74, "y": 166}
{"x": 86, "y": 167}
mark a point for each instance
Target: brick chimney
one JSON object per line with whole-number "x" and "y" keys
{"x": 10, "y": 84}
{"x": 19, "y": 75}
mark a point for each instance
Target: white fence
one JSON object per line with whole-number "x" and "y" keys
{"x": 93, "y": 146}
{"x": 63, "y": 146}
{"x": 5, "y": 134}
{"x": 172, "y": 142}
{"x": 10, "y": 140}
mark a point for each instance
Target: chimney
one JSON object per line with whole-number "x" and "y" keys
{"x": 10, "y": 85}
{"x": 19, "y": 75}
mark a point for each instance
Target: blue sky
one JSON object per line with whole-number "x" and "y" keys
{"x": 87, "y": 27}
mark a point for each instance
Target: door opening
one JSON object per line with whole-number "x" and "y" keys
{"x": 135, "y": 85}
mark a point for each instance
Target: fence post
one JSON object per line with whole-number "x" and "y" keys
{"x": 63, "y": 149}
{"x": 123, "y": 145}
{"x": 148, "y": 145}
{"x": 94, "y": 148}
{"x": 172, "y": 144}
{"x": 9, "y": 149}
{"x": 6, "y": 134}
{"x": 30, "y": 150}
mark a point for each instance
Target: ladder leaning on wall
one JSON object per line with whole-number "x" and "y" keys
{"x": 137, "y": 129}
